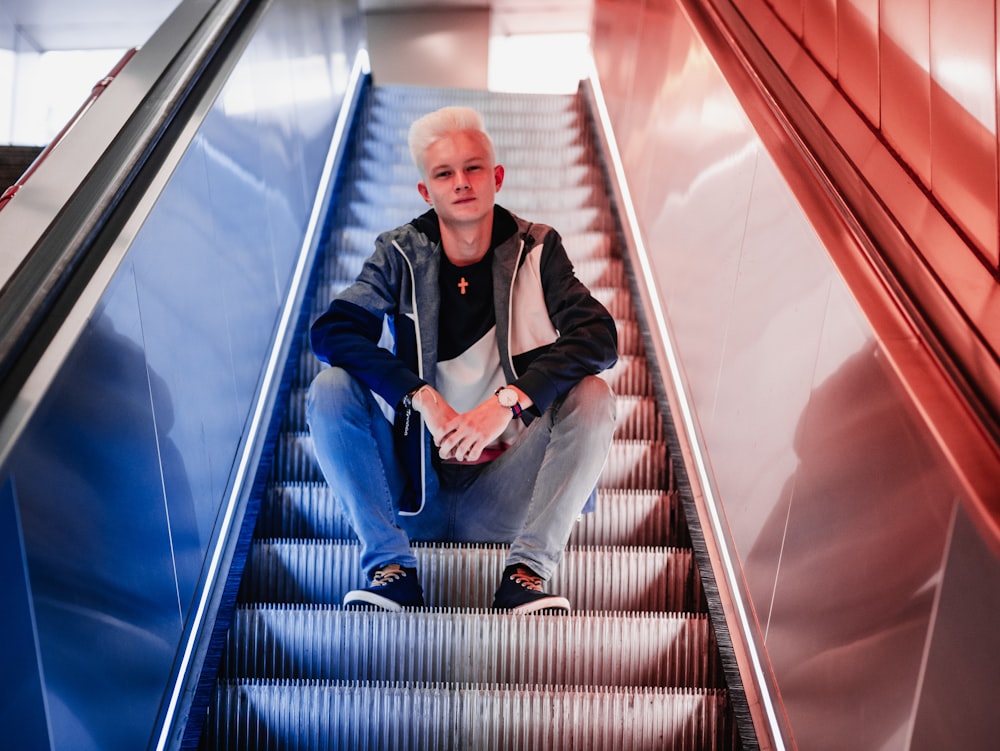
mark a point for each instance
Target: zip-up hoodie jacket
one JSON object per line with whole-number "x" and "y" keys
{"x": 383, "y": 328}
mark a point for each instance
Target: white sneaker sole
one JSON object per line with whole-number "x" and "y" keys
{"x": 360, "y": 597}
{"x": 547, "y": 603}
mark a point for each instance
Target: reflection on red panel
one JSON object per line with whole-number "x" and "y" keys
{"x": 963, "y": 116}
{"x": 615, "y": 28}
{"x": 819, "y": 32}
{"x": 836, "y": 497}
{"x": 858, "y": 58}
{"x": 906, "y": 84}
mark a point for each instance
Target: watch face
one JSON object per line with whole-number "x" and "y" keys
{"x": 507, "y": 397}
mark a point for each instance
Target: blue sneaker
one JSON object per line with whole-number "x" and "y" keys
{"x": 520, "y": 591}
{"x": 393, "y": 588}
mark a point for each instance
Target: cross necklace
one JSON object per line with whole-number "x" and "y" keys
{"x": 462, "y": 285}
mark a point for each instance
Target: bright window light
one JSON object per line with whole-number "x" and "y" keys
{"x": 538, "y": 63}
{"x": 49, "y": 88}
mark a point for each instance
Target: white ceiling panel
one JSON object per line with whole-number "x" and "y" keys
{"x": 45, "y": 25}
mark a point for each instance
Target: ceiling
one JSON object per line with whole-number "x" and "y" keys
{"x": 46, "y": 25}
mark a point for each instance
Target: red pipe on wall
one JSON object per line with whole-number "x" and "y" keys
{"x": 95, "y": 92}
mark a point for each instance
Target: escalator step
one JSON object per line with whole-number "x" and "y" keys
{"x": 622, "y": 517}
{"x": 307, "y": 715}
{"x": 309, "y": 642}
{"x": 597, "y": 579}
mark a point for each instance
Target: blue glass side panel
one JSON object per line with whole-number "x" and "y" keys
{"x": 96, "y": 536}
{"x": 22, "y": 704}
{"x": 239, "y": 200}
{"x": 124, "y": 468}
{"x": 182, "y": 278}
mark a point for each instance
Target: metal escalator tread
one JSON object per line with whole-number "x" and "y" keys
{"x": 397, "y": 716}
{"x": 298, "y": 642}
{"x": 634, "y": 666}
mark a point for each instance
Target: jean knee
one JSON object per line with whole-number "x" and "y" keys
{"x": 330, "y": 392}
{"x": 593, "y": 399}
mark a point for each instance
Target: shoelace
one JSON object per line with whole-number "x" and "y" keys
{"x": 526, "y": 580}
{"x": 387, "y": 575}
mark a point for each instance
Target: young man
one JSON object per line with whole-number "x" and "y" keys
{"x": 468, "y": 327}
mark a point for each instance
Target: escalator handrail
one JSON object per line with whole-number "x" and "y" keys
{"x": 115, "y": 154}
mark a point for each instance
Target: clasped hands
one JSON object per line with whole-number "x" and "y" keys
{"x": 463, "y": 436}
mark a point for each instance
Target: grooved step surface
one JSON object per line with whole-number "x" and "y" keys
{"x": 447, "y": 646}
{"x": 623, "y": 517}
{"x": 377, "y": 716}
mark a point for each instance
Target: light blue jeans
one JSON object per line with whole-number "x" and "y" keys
{"x": 530, "y": 497}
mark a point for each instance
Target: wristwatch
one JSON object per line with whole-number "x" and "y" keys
{"x": 407, "y": 401}
{"x": 508, "y": 398}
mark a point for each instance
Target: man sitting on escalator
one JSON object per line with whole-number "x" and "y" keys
{"x": 462, "y": 403}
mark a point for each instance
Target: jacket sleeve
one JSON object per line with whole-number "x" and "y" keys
{"x": 587, "y": 341}
{"x": 347, "y": 335}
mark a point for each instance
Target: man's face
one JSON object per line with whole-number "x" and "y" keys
{"x": 461, "y": 181}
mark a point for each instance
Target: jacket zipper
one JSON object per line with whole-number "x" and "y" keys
{"x": 420, "y": 373}
{"x": 510, "y": 306}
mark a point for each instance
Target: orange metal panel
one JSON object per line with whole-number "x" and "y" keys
{"x": 819, "y": 32}
{"x": 963, "y": 117}
{"x": 790, "y": 12}
{"x": 858, "y": 54}
{"x": 904, "y": 50}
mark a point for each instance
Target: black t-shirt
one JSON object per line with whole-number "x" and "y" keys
{"x": 467, "y": 312}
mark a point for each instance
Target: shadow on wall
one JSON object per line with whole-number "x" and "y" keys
{"x": 861, "y": 559}
{"x": 104, "y": 548}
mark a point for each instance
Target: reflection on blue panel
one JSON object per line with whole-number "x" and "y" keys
{"x": 95, "y": 530}
{"x": 22, "y": 704}
{"x": 181, "y": 276}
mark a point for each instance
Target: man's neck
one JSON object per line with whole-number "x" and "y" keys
{"x": 467, "y": 244}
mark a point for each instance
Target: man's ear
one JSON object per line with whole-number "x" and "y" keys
{"x": 498, "y": 176}
{"x": 424, "y": 193}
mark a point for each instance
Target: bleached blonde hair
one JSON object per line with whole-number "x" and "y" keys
{"x": 443, "y": 122}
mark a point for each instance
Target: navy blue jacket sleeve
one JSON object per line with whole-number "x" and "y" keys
{"x": 347, "y": 335}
